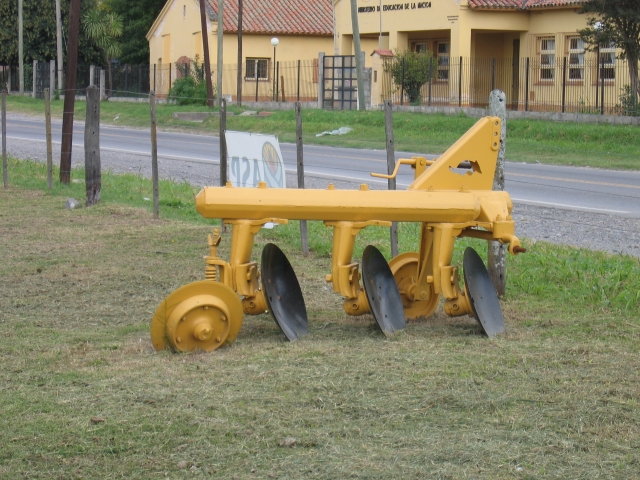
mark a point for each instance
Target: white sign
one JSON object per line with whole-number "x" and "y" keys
{"x": 253, "y": 158}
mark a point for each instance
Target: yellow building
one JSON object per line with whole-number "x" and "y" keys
{"x": 303, "y": 29}
{"x": 528, "y": 48}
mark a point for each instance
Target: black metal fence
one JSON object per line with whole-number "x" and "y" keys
{"x": 128, "y": 80}
{"x": 262, "y": 80}
{"x": 588, "y": 86}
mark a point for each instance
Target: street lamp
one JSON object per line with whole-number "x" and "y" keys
{"x": 274, "y": 42}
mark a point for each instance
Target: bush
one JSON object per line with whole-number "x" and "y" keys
{"x": 191, "y": 89}
{"x": 410, "y": 71}
{"x": 629, "y": 102}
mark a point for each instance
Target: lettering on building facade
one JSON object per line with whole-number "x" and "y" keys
{"x": 395, "y": 6}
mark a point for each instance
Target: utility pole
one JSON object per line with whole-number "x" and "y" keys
{"x": 70, "y": 92}
{"x": 205, "y": 49}
{"x": 20, "y": 47}
{"x": 356, "y": 46}
{"x": 220, "y": 39}
{"x": 59, "y": 42}
{"x": 239, "y": 93}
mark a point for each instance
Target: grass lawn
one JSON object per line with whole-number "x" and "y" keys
{"x": 84, "y": 395}
{"x": 604, "y": 146}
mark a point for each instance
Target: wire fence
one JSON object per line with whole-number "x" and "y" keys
{"x": 566, "y": 85}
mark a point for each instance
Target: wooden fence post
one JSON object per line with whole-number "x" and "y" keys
{"x": 496, "y": 254}
{"x": 5, "y": 173}
{"x": 304, "y": 234}
{"x": 391, "y": 165}
{"x": 154, "y": 156}
{"x": 47, "y": 122}
{"x": 223, "y": 142}
{"x": 92, "y": 147}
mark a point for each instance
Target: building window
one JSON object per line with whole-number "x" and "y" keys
{"x": 442, "y": 53}
{"x": 547, "y": 58}
{"x": 259, "y": 66}
{"x": 607, "y": 62}
{"x": 576, "y": 58}
{"x": 420, "y": 47}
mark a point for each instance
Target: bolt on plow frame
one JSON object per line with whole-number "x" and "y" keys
{"x": 451, "y": 197}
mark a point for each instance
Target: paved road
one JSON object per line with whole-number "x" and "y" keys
{"x": 584, "y": 189}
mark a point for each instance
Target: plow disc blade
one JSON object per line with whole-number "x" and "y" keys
{"x": 382, "y": 292}
{"x": 482, "y": 294}
{"x": 283, "y": 294}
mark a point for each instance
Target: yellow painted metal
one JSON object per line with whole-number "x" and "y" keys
{"x": 451, "y": 197}
{"x": 417, "y": 163}
{"x": 479, "y": 146}
{"x": 200, "y": 315}
{"x": 405, "y": 271}
{"x": 338, "y": 205}
{"x": 345, "y": 274}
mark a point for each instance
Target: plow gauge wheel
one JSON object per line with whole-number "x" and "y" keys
{"x": 198, "y": 316}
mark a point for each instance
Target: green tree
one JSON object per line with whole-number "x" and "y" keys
{"x": 104, "y": 29}
{"x": 617, "y": 22}
{"x": 40, "y": 32}
{"x": 411, "y": 70}
{"x": 137, "y": 18}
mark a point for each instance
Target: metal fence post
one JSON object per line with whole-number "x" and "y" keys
{"x": 526, "y": 87}
{"x": 402, "y": 84}
{"x": 564, "y": 82}
{"x": 460, "y": 84}
{"x": 602, "y": 87}
{"x": 597, "y": 71}
{"x": 430, "y": 79}
{"x": 92, "y": 75}
{"x": 321, "y": 80}
{"x": 277, "y": 76}
{"x": 298, "y": 94}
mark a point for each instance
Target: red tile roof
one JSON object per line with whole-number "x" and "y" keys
{"x": 295, "y": 17}
{"x": 383, "y": 52}
{"x": 521, "y": 4}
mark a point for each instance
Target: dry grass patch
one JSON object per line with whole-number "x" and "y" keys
{"x": 84, "y": 395}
